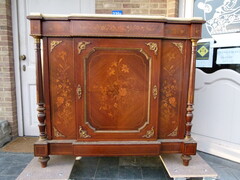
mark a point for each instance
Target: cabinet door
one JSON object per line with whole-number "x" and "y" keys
{"x": 117, "y": 83}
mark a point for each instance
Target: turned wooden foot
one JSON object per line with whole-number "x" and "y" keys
{"x": 44, "y": 161}
{"x": 186, "y": 159}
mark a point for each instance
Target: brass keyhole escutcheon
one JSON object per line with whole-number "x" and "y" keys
{"x": 79, "y": 91}
{"x": 155, "y": 92}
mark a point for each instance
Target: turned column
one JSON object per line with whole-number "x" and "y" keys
{"x": 40, "y": 98}
{"x": 189, "y": 115}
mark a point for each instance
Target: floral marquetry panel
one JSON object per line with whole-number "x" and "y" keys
{"x": 117, "y": 89}
{"x": 62, "y": 88}
{"x": 172, "y": 84}
{"x": 119, "y": 94}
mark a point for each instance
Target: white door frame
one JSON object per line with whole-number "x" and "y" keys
{"x": 186, "y": 8}
{"x": 86, "y": 7}
{"x": 17, "y": 66}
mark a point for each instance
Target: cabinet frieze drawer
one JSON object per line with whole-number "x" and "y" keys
{"x": 116, "y": 150}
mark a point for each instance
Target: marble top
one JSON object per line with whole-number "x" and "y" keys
{"x": 109, "y": 16}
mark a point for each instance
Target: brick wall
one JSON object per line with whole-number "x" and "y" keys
{"x": 7, "y": 81}
{"x": 144, "y": 7}
{"x": 172, "y": 8}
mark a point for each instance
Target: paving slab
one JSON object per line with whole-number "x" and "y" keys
{"x": 198, "y": 168}
{"x": 59, "y": 167}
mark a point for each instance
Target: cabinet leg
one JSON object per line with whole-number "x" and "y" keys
{"x": 186, "y": 159}
{"x": 44, "y": 161}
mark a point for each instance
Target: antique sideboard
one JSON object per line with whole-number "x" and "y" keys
{"x": 114, "y": 85}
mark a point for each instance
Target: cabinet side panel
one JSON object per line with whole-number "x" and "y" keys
{"x": 172, "y": 89}
{"x": 61, "y": 68}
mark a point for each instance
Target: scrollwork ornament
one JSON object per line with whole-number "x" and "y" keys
{"x": 149, "y": 133}
{"x": 174, "y": 133}
{"x": 179, "y": 46}
{"x": 54, "y": 44}
{"x": 153, "y": 46}
{"x": 57, "y": 133}
{"x": 82, "y": 45}
{"x": 83, "y": 133}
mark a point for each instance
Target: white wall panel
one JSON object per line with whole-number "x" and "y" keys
{"x": 216, "y": 122}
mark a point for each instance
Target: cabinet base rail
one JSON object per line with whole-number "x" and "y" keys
{"x": 43, "y": 149}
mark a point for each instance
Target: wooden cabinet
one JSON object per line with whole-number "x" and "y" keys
{"x": 115, "y": 85}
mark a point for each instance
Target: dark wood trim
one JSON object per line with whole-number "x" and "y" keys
{"x": 58, "y": 147}
{"x": 46, "y": 88}
{"x": 39, "y": 87}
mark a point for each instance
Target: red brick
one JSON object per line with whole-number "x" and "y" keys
{"x": 159, "y": 1}
{"x": 3, "y": 16}
{"x": 112, "y": 5}
{"x": 154, "y": 5}
{"x": 163, "y": 5}
{"x": 9, "y": 109}
{"x": 126, "y": 11}
{"x": 3, "y": 38}
{"x": 144, "y": 5}
{"x": 2, "y": 5}
{"x": 140, "y": 11}
{"x": 3, "y": 43}
{"x": 156, "y": 11}
{"x": 131, "y": 5}
{"x": 121, "y": 0}
{"x": 103, "y": 11}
